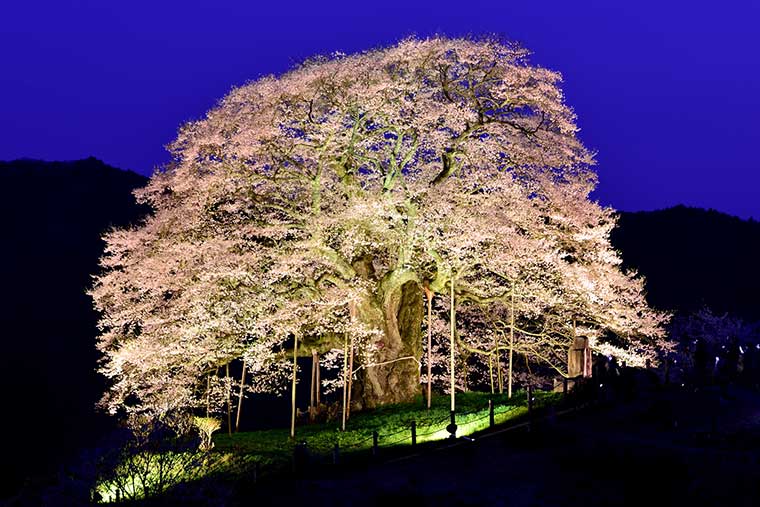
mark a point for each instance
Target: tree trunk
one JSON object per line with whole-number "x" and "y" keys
{"x": 396, "y": 311}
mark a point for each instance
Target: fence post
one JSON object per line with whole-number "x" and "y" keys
{"x": 452, "y": 427}
{"x": 491, "y": 421}
{"x": 530, "y": 398}
{"x": 530, "y": 407}
{"x": 414, "y": 432}
{"x": 336, "y": 454}
{"x": 375, "y": 436}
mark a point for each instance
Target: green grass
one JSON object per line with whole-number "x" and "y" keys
{"x": 234, "y": 456}
{"x": 392, "y": 422}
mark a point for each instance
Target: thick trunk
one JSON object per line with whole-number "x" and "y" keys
{"x": 394, "y": 374}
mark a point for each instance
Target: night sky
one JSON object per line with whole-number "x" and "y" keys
{"x": 667, "y": 93}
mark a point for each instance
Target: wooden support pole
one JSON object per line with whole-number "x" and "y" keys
{"x": 293, "y": 389}
{"x": 490, "y": 371}
{"x": 208, "y": 394}
{"x": 313, "y": 386}
{"x": 240, "y": 398}
{"x": 499, "y": 375}
{"x": 229, "y": 395}
{"x": 511, "y": 340}
{"x": 318, "y": 391}
{"x": 350, "y": 377}
{"x": 429, "y": 297}
{"x": 452, "y": 318}
{"x": 345, "y": 381}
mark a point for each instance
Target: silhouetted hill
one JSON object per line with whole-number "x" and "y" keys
{"x": 52, "y": 216}
{"x": 693, "y": 257}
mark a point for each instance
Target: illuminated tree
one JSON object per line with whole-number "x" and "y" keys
{"x": 317, "y": 205}
{"x": 541, "y": 277}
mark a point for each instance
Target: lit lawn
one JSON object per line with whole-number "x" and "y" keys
{"x": 392, "y": 423}
{"x": 234, "y": 456}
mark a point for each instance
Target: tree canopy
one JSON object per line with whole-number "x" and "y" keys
{"x": 320, "y": 203}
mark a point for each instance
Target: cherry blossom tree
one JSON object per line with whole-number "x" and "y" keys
{"x": 314, "y": 208}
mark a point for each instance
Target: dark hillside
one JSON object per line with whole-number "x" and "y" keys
{"x": 52, "y": 215}
{"x": 693, "y": 257}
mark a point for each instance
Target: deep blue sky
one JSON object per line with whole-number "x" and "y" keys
{"x": 667, "y": 93}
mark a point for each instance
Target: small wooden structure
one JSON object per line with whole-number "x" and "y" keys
{"x": 579, "y": 358}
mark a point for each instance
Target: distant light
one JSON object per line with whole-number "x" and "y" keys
{"x": 601, "y": 385}
{"x": 741, "y": 350}
{"x": 683, "y": 385}
{"x": 717, "y": 359}
{"x": 675, "y": 361}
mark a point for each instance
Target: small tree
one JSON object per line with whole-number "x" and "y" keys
{"x": 206, "y": 427}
